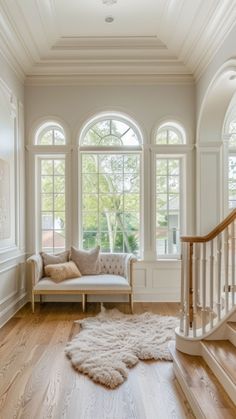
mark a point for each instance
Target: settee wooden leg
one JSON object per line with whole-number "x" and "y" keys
{"x": 131, "y": 301}
{"x": 32, "y": 302}
{"x": 84, "y": 302}
{"x": 40, "y": 298}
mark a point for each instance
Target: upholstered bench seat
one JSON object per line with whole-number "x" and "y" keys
{"x": 103, "y": 282}
{"x": 115, "y": 277}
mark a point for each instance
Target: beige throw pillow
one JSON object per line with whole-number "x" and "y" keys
{"x": 59, "y": 272}
{"x": 49, "y": 259}
{"x": 88, "y": 262}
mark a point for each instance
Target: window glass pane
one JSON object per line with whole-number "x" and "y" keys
{"x": 111, "y": 216}
{"x": 167, "y": 206}
{"x": 46, "y": 167}
{"x": 89, "y": 163}
{"x": 47, "y": 202}
{"x": 90, "y": 183}
{"x": 174, "y": 137}
{"x": 59, "y": 220}
{"x": 59, "y": 184}
{"x": 46, "y": 138}
{"x": 47, "y": 220}
{"x": 46, "y": 184}
{"x": 53, "y": 217}
{"x": 59, "y": 167}
{"x": 59, "y": 138}
{"x": 59, "y": 202}
{"x": 232, "y": 141}
{"x": 161, "y": 137}
{"x": 90, "y": 201}
{"x": 47, "y": 241}
{"x": 110, "y": 163}
{"x": 232, "y": 182}
{"x": 110, "y": 133}
{"x": 131, "y": 163}
{"x": 59, "y": 240}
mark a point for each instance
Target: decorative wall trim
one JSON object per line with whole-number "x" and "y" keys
{"x": 108, "y": 79}
{"x": 11, "y": 309}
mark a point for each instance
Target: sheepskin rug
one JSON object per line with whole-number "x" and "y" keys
{"x": 110, "y": 343}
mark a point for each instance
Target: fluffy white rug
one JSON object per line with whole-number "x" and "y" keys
{"x": 112, "y": 342}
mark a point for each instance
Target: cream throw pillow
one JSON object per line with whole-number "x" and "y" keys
{"x": 88, "y": 262}
{"x": 49, "y": 259}
{"x": 59, "y": 272}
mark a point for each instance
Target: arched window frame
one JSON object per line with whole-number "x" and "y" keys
{"x": 55, "y": 153}
{"x": 181, "y": 154}
{"x": 174, "y": 127}
{"x": 85, "y": 149}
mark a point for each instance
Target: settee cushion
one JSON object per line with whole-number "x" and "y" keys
{"x": 61, "y": 271}
{"x": 88, "y": 262}
{"x": 88, "y": 282}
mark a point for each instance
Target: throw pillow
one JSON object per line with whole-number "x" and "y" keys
{"x": 88, "y": 262}
{"x": 59, "y": 272}
{"x": 49, "y": 259}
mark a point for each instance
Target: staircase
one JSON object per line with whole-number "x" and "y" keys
{"x": 204, "y": 354}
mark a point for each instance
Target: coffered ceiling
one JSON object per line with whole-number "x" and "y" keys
{"x": 68, "y": 40}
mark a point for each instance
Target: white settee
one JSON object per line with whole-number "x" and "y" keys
{"x": 116, "y": 277}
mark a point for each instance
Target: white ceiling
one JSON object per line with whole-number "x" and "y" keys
{"x": 149, "y": 39}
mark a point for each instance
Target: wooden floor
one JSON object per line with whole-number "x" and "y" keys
{"x": 37, "y": 380}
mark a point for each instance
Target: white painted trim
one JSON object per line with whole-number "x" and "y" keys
{"x": 12, "y": 309}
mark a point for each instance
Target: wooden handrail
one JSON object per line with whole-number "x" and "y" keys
{"x": 210, "y": 236}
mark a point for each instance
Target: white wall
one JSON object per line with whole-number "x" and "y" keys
{"x": 13, "y": 292}
{"x": 148, "y": 106}
{"x": 214, "y": 92}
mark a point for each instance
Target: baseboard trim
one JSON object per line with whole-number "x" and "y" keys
{"x": 12, "y": 308}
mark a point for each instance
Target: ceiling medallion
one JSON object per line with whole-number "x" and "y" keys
{"x": 109, "y": 2}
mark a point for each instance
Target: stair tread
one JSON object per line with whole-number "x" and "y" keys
{"x": 232, "y": 325}
{"x": 224, "y": 353}
{"x": 203, "y": 385}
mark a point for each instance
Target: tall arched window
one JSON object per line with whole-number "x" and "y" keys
{"x": 110, "y": 191}
{"x": 51, "y": 188}
{"x": 232, "y": 163}
{"x": 169, "y": 189}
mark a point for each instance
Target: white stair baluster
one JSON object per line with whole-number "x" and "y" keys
{"x": 233, "y": 262}
{"x": 226, "y": 264}
{"x": 211, "y": 282}
{"x": 219, "y": 254}
{"x": 204, "y": 288}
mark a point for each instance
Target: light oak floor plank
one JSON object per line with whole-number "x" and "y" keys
{"x": 38, "y": 382}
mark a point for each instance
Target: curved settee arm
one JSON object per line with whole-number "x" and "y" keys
{"x": 37, "y": 268}
{"x": 130, "y": 260}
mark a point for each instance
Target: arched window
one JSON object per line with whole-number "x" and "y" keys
{"x": 170, "y": 133}
{"x": 232, "y": 163}
{"x": 110, "y": 194}
{"x": 50, "y": 133}
{"x": 51, "y": 189}
{"x": 169, "y": 189}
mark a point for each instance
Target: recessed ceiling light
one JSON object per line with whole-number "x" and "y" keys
{"x": 109, "y": 2}
{"x": 109, "y": 19}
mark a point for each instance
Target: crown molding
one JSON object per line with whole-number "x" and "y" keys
{"x": 197, "y": 53}
{"x": 109, "y": 79}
